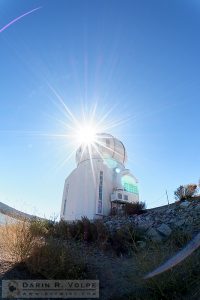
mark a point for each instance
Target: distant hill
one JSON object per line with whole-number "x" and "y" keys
{"x": 9, "y": 211}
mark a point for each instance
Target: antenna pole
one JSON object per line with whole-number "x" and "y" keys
{"x": 167, "y": 197}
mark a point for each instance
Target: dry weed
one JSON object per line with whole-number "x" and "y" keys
{"x": 17, "y": 240}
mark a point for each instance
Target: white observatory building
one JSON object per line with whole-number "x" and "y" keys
{"x": 100, "y": 182}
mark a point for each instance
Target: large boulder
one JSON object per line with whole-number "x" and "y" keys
{"x": 197, "y": 207}
{"x": 184, "y": 204}
{"x": 164, "y": 229}
{"x": 154, "y": 235}
{"x": 179, "y": 223}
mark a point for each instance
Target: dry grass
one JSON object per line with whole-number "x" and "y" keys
{"x": 28, "y": 243}
{"x": 55, "y": 260}
{"x": 17, "y": 240}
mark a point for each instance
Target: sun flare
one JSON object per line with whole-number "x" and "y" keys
{"x": 86, "y": 135}
{"x": 85, "y": 129}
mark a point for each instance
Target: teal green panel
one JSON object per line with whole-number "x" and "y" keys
{"x": 129, "y": 184}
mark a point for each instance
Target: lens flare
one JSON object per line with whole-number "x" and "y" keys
{"x": 176, "y": 259}
{"x": 18, "y": 18}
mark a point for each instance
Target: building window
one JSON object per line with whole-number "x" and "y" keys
{"x": 65, "y": 201}
{"x": 119, "y": 196}
{"x": 101, "y": 186}
{"x": 100, "y": 195}
{"x": 99, "y": 208}
{"x": 129, "y": 184}
{"x": 128, "y": 187}
{"x": 126, "y": 197}
{"x": 64, "y": 208}
{"x": 107, "y": 143}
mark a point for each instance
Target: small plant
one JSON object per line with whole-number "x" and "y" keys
{"x": 134, "y": 208}
{"x": 124, "y": 240}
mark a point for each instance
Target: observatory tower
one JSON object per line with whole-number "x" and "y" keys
{"x": 100, "y": 181}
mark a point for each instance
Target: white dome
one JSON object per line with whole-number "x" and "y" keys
{"x": 106, "y": 147}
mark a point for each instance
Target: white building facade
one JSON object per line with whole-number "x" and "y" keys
{"x": 100, "y": 182}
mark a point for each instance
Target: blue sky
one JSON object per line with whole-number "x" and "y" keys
{"x": 139, "y": 57}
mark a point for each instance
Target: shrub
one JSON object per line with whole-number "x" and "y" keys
{"x": 190, "y": 190}
{"x": 102, "y": 234}
{"x": 89, "y": 232}
{"x": 185, "y": 192}
{"x": 113, "y": 211}
{"x": 134, "y": 208}
{"x": 118, "y": 241}
{"x": 83, "y": 230}
{"x": 124, "y": 240}
{"x": 18, "y": 240}
{"x": 56, "y": 260}
{"x": 59, "y": 230}
{"x": 41, "y": 227}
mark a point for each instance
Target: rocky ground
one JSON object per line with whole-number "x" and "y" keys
{"x": 160, "y": 222}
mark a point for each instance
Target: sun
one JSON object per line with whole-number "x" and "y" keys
{"x": 86, "y": 135}
{"x": 84, "y": 130}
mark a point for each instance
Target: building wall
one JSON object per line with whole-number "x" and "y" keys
{"x": 81, "y": 190}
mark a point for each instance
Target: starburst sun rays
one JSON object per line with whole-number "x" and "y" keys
{"x": 85, "y": 130}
